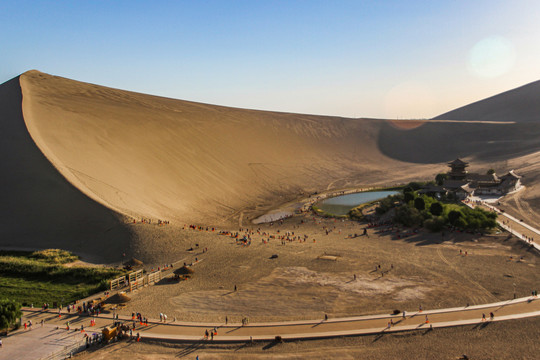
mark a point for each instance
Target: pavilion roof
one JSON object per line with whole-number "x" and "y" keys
{"x": 511, "y": 175}
{"x": 458, "y": 161}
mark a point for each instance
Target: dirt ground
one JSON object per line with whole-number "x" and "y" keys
{"x": 337, "y": 274}
{"x": 514, "y": 339}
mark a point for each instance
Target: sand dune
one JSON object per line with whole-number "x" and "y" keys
{"x": 127, "y": 156}
{"x": 39, "y": 208}
{"x": 521, "y": 105}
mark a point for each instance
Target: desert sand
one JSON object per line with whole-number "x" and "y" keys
{"x": 83, "y": 164}
{"x": 83, "y": 161}
{"x": 478, "y": 342}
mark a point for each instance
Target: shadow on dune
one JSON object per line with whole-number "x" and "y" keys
{"x": 441, "y": 142}
{"x": 39, "y": 207}
{"x": 495, "y": 139}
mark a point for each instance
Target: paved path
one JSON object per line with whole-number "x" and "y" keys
{"x": 40, "y": 342}
{"x": 516, "y": 227}
{"x": 305, "y": 329}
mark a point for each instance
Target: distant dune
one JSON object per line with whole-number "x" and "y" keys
{"x": 521, "y": 105}
{"x": 82, "y": 161}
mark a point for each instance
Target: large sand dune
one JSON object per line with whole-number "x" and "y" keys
{"x": 39, "y": 208}
{"x": 521, "y": 105}
{"x": 129, "y": 156}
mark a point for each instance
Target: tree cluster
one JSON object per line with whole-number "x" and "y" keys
{"x": 412, "y": 209}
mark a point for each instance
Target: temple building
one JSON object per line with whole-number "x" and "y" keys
{"x": 463, "y": 184}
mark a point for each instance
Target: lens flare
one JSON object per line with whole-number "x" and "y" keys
{"x": 491, "y": 57}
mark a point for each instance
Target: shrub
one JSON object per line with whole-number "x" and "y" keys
{"x": 415, "y": 185}
{"x": 388, "y": 203}
{"x": 356, "y": 213}
{"x": 435, "y": 224}
{"x": 426, "y": 214}
{"x": 453, "y": 216}
{"x": 54, "y": 256}
{"x": 461, "y": 223}
{"x": 408, "y": 216}
{"x": 436, "y": 208}
{"x": 408, "y": 196}
{"x": 419, "y": 204}
{"x": 408, "y": 189}
{"x": 440, "y": 178}
{"x": 10, "y": 311}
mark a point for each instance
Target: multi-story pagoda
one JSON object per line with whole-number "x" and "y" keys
{"x": 457, "y": 170}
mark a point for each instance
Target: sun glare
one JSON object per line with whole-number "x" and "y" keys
{"x": 491, "y": 57}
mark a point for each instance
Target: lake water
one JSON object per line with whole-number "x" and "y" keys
{"x": 341, "y": 205}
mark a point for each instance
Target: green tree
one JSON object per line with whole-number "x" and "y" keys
{"x": 414, "y": 185}
{"x": 440, "y": 178}
{"x": 408, "y": 216}
{"x": 453, "y": 216}
{"x": 436, "y": 208}
{"x": 419, "y": 204}
{"x": 10, "y": 311}
{"x": 408, "y": 196}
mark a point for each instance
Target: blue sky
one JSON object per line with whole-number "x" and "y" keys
{"x": 392, "y": 59}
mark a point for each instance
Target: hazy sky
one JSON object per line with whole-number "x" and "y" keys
{"x": 402, "y": 59}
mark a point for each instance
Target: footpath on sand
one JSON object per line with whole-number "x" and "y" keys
{"x": 308, "y": 329}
